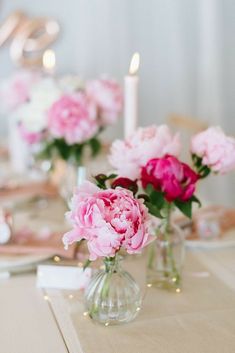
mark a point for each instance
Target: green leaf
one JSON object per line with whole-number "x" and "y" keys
{"x": 204, "y": 172}
{"x": 184, "y": 207}
{"x": 195, "y": 199}
{"x": 95, "y": 146}
{"x": 144, "y": 196}
{"x": 111, "y": 176}
{"x": 153, "y": 210}
{"x": 149, "y": 189}
{"x": 157, "y": 199}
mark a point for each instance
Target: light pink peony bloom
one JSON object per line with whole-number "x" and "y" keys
{"x": 108, "y": 220}
{"x": 73, "y": 117}
{"x": 107, "y": 94}
{"x": 16, "y": 90}
{"x": 129, "y": 156}
{"x": 215, "y": 148}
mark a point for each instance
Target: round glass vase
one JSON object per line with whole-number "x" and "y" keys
{"x": 166, "y": 258}
{"x": 112, "y": 296}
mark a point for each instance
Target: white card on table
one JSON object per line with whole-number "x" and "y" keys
{"x": 62, "y": 277}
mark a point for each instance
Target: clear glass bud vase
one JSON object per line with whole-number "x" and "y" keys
{"x": 166, "y": 258}
{"x": 112, "y": 296}
{"x": 74, "y": 175}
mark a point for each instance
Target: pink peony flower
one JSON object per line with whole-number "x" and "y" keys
{"x": 30, "y": 137}
{"x": 73, "y": 117}
{"x": 215, "y": 148}
{"x": 108, "y": 220}
{"x": 129, "y": 156}
{"x": 16, "y": 90}
{"x": 107, "y": 95}
{"x": 175, "y": 179}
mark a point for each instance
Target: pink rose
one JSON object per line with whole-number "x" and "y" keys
{"x": 107, "y": 95}
{"x": 30, "y": 137}
{"x": 174, "y": 178}
{"x": 129, "y": 156}
{"x": 73, "y": 117}
{"x": 215, "y": 148}
{"x": 108, "y": 220}
{"x": 16, "y": 90}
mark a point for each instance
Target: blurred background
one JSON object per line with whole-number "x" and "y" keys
{"x": 186, "y": 48}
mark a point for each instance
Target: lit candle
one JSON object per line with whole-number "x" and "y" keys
{"x": 131, "y": 97}
{"x": 49, "y": 61}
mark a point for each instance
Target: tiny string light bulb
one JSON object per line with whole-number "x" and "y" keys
{"x": 49, "y": 60}
{"x": 106, "y": 324}
{"x": 149, "y": 285}
{"x": 178, "y": 290}
{"x": 135, "y": 63}
{"x": 85, "y": 313}
{"x": 46, "y": 297}
{"x": 56, "y": 258}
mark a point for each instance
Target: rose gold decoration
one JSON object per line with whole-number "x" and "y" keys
{"x": 30, "y": 37}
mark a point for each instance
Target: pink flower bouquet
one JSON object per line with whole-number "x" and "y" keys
{"x": 150, "y": 158}
{"x": 62, "y": 115}
{"x": 76, "y": 119}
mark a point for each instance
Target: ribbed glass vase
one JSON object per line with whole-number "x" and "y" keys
{"x": 112, "y": 296}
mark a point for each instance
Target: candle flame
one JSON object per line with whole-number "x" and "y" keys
{"x": 48, "y": 59}
{"x": 134, "y": 65}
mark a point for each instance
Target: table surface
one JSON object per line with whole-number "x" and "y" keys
{"x": 199, "y": 319}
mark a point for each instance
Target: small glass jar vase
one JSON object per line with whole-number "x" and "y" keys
{"x": 74, "y": 175}
{"x": 166, "y": 258}
{"x": 112, "y": 296}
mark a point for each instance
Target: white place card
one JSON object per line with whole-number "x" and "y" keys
{"x": 62, "y": 277}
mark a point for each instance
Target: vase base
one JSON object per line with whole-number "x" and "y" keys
{"x": 171, "y": 283}
{"x": 109, "y": 320}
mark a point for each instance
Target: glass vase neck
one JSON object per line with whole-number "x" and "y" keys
{"x": 112, "y": 264}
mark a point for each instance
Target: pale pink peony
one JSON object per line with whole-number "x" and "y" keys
{"x": 73, "y": 117}
{"x": 108, "y": 220}
{"x": 107, "y": 94}
{"x": 16, "y": 90}
{"x": 215, "y": 148}
{"x": 128, "y": 157}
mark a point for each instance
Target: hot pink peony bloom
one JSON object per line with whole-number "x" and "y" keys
{"x": 108, "y": 220}
{"x": 215, "y": 148}
{"x": 107, "y": 95}
{"x": 150, "y": 142}
{"x": 16, "y": 90}
{"x": 73, "y": 117}
{"x": 177, "y": 180}
{"x": 30, "y": 137}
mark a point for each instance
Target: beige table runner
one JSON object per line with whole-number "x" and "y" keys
{"x": 201, "y": 319}
{"x": 27, "y": 324}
